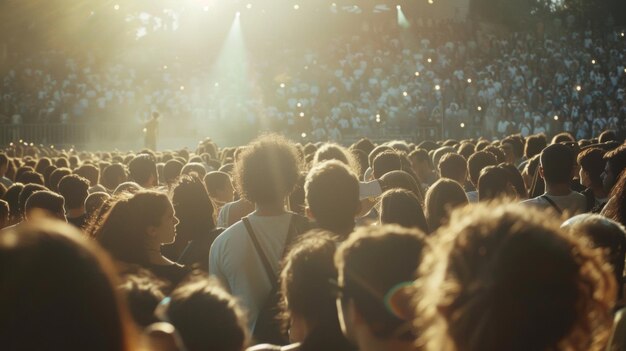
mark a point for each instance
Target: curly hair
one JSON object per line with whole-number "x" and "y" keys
{"x": 507, "y": 278}
{"x": 267, "y": 170}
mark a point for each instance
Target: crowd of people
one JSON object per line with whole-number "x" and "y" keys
{"x": 372, "y": 80}
{"x": 470, "y": 244}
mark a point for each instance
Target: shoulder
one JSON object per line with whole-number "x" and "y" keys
{"x": 234, "y": 232}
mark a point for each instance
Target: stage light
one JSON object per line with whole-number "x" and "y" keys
{"x": 378, "y": 116}
{"x": 623, "y": 34}
{"x": 462, "y": 125}
{"x": 301, "y": 114}
{"x": 437, "y": 87}
{"x": 399, "y": 7}
{"x": 206, "y": 9}
{"x": 417, "y": 74}
{"x": 479, "y": 108}
{"x": 556, "y": 118}
{"x": 216, "y": 84}
{"x": 238, "y": 14}
{"x": 11, "y": 144}
{"x": 296, "y": 7}
{"x": 431, "y": 2}
{"x": 116, "y": 7}
{"x": 182, "y": 87}
{"x": 469, "y": 80}
{"x": 165, "y": 67}
{"x": 593, "y": 62}
{"x": 405, "y": 94}
{"x": 429, "y": 60}
{"x": 578, "y": 88}
{"x": 303, "y": 135}
{"x": 282, "y": 85}
{"x": 249, "y": 6}
{"x": 299, "y": 104}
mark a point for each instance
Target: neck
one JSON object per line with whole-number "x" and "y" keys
{"x": 598, "y": 192}
{"x": 75, "y": 212}
{"x": 270, "y": 209}
{"x": 558, "y": 189}
{"x": 154, "y": 255}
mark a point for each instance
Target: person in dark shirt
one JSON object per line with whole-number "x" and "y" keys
{"x": 74, "y": 189}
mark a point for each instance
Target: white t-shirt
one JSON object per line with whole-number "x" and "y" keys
{"x": 572, "y": 204}
{"x": 234, "y": 261}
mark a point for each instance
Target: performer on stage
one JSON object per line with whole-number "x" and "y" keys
{"x": 151, "y": 131}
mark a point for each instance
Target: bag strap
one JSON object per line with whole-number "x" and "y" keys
{"x": 552, "y": 203}
{"x": 292, "y": 232}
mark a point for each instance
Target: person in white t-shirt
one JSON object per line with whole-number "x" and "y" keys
{"x": 557, "y": 168}
{"x": 265, "y": 174}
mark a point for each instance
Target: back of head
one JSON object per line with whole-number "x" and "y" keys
{"x": 477, "y": 162}
{"x": 512, "y": 280}
{"x": 194, "y": 168}
{"x": 534, "y": 145}
{"x": 592, "y": 161}
{"x": 401, "y": 180}
{"x": 143, "y": 292}
{"x": 12, "y": 196}
{"x": 375, "y": 152}
{"x": 58, "y": 292}
{"x": 557, "y": 163}
{"x": 94, "y": 202}
{"x": 89, "y": 172}
{"x": 113, "y": 175}
{"x": 442, "y": 197}
{"x": 5, "y": 214}
{"x": 440, "y": 152}
{"x": 142, "y": 168}
{"x": 564, "y": 137}
{"x": 402, "y": 207}
{"x": 216, "y": 181}
{"x": 494, "y": 184}
{"x": 172, "y": 170}
{"x": 385, "y": 162}
{"x": 606, "y": 136}
{"x": 617, "y": 160}
{"x": 453, "y": 166}
{"x": 55, "y": 177}
{"x": 267, "y": 170}
{"x": 30, "y": 177}
{"x": 74, "y": 189}
{"x": 331, "y": 151}
{"x": 193, "y": 208}
{"x": 332, "y": 195}
{"x": 46, "y": 201}
{"x": 26, "y": 192}
{"x": 371, "y": 264}
{"x": 206, "y": 317}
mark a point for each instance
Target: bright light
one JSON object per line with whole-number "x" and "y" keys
{"x": 593, "y": 62}
{"x": 429, "y": 60}
{"x": 301, "y": 114}
{"x": 306, "y": 67}
{"x": 578, "y": 88}
{"x": 378, "y": 116}
{"x": 469, "y": 80}
{"x": 216, "y": 84}
{"x": 405, "y": 94}
{"x": 303, "y": 135}
{"x": 145, "y": 130}
{"x": 417, "y": 74}
{"x": 282, "y": 85}
{"x": 238, "y": 14}
{"x": 165, "y": 67}
{"x": 623, "y": 34}
{"x": 299, "y": 104}
{"x": 431, "y": 2}
{"x": 462, "y": 125}
{"x": 479, "y": 108}
{"x": 249, "y": 6}
{"x": 116, "y": 7}
{"x": 399, "y": 7}
{"x": 437, "y": 87}
{"x": 11, "y": 144}
{"x": 334, "y": 4}
{"x": 296, "y": 7}
{"x": 206, "y": 9}
{"x": 556, "y": 118}
{"x": 182, "y": 87}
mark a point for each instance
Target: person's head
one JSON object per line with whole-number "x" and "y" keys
{"x": 516, "y": 146}
{"x": 605, "y": 234}
{"x": 127, "y": 187}
{"x": 12, "y": 196}
{"x": 307, "y": 301}
{"x": 55, "y": 177}
{"x": 194, "y": 168}
{"x": 26, "y": 192}
{"x": 89, "y": 172}
{"x": 564, "y": 137}
{"x": 442, "y": 197}
{"x": 385, "y": 162}
{"x": 557, "y": 164}
{"x": 171, "y": 171}
{"x": 143, "y": 171}
{"x": 267, "y": 170}
{"x": 592, "y": 163}
{"x": 494, "y": 183}
{"x": 516, "y": 179}
{"x": 507, "y": 278}
{"x": 606, "y": 136}
{"x": 193, "y": 208}
{"x": 94, "y": 202}
{"x": 401, "y": 180}
{"x": 74, "y": 189}
{"x": 136, "y": 224}
{"x": 113, "y": 175}
{"x": 402, "y": 207}
{"x": 143, "y": 292}
{"x": 58, "y": 292}
{"x": 5, "y": 214}
{"x": 375, "y": 266}
{"x": 45, "y": 204}
{"x": 477, "y": 162}
{"x": 421, "y": 164}
{"x": 615, "y": 164}
{"x": 30, "y": 177}
{"x": 219, "y": 186}
{"x": 205, "y": 316}
{"x": 332, "y": 151}
{"x": 332, "y": 196}
{"x": 453, "y": 166}
{"x": 534, "y": 145}
{"x": 4, "y": 164}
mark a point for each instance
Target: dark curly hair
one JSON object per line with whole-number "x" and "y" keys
{"x": 267, "y": 170}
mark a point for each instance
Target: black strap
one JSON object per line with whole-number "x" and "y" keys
{"x": 552, "y": 203}
{"x": 255, "y": 241}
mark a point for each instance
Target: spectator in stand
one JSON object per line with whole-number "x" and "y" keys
{"x": 534, "y": 145}
{"x": 332, "y": 197}
{"x": 60, "y": 287}
{"x": 4, "y": 165}
{"x": 441, "y": 198}
{"x": 75, "y": 190}
{"x": 30, "y": 177}
{"x": 422, "y": 167}
{"x": 494, "y": 184}
{"x": 113, "y": 176}
{"x": 615, "y": 164}
{"x": 493, "y": 273}
{"x": 205, "y": 316}
{"x": 384, "y": 162}
{"x": 265, "y": 174}
{"x": 402, "y": 207}
{"x": 171, "y": 171}
{"x": 143, "y": 171}
{"x": 55, "y": 178}
{"x": 220, "y": 188}
{"x": 376, "y": 267}
{"x": 44, "y": 204}
{"x": 453, "y": 166}
{"x": 592, "y": 164}
{"x": 513, "y": 147}
{"x": 92, "y": 174}
{"x": 557, "y": 168}
{"x": 135, "y": 228}
{"x": 475, "y": 164}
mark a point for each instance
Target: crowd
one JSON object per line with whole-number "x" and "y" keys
{"x": 472, "y": 244}
{"x": 360, "y": 83}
